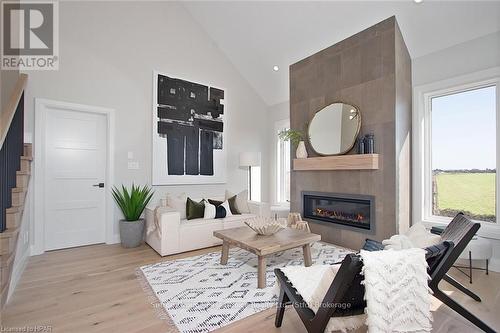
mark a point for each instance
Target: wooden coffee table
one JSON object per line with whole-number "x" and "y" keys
{"x": 247, "y": 239}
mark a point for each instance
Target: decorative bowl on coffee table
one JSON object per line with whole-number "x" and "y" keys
{"x": 266, "y": 226}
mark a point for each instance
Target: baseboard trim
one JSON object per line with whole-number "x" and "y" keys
{"x": 35, "y": 251}
{"x": 494, "y": 265}
{"x": 17, "y": 272}
{"x": 114, "y": 239}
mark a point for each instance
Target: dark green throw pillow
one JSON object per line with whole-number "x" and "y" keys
{"x": 232, "y": 205}
{"x": 215, "y": 202}
{"x": 195, "y": 210}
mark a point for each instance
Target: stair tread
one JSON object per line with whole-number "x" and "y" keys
{"x": 16, "y": 205}
{"x": 19, "y": 189}
{"x": 9, "y": 232}
{"x": 6, "y": 259}
{"x": 28, "y": 149}
{"x": 23, "y": 173}
{"x": 13, "y": 210}
{"x": 28, "y": 144}
{"x": 27, "y": 158}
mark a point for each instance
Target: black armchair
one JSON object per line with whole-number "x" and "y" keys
{"x": 346, "y": 288}
{"x": 459, "y": 231}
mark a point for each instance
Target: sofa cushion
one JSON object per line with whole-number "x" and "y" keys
{"x": 215, "y": 202}
{"x": 195, "y": 210}
{"x": 225, "y": 204}
{"x": 220, "y": 212}
{"x": 232, "y": 205}
{"x": 210, "y": 211}
{"x": 178, "y": 203}
{"x": 226, "y": 220}
{"x": 241, "y": 201}
{"x": 200, "y": 222}
{"x": 241, "y": 217}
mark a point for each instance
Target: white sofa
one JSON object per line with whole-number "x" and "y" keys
{"x": 186, "y": 235}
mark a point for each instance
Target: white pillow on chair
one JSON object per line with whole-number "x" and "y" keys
{"x": 416, "y": 236}
{"x": 421, "y": 237}
{"x": 312, "y": 283}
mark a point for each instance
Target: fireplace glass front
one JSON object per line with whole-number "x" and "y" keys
{"x": 350, "y": 210}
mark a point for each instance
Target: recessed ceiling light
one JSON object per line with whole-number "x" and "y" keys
{"x": 276, "y": 68}
{"x": 418, "y": 1}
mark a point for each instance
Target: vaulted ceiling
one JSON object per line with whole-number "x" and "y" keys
{"x": 256, "y": 36}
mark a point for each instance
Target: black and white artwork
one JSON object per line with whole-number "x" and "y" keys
{"x": 188, "y": 132}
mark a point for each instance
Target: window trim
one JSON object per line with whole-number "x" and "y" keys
{"x": 278, "y": 126}
{"x": 256, "y": 185}
{"x": 421, "y": 137}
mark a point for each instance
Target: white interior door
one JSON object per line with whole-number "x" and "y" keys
{"x": 75, "y": 163}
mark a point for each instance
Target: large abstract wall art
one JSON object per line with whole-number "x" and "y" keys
{"x": 188, "y": 132}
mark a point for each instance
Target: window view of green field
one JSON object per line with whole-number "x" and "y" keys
{"x": 470, "y": 192}
{"x": 464, "y": 154}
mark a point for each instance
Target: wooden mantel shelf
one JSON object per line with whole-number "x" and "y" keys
{"x": 341, "y": 162}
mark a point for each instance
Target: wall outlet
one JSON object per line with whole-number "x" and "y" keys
{"x": 133, "y": 165}
{"x": 130, "y": 155}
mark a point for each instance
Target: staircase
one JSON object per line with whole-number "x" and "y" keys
{"x": 15, "y": 171}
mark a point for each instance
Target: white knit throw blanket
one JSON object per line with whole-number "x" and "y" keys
{"x": 397, "y": 295}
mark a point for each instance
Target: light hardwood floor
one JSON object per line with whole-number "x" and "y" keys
{"x": 94, "y": 289}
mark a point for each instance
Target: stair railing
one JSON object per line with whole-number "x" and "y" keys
{"x": 12, "y": 145}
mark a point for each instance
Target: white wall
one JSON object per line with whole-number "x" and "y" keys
{"x": 473, "y": 56}
{"x": 469, "y": 57}
{"x": 108, "y": 52}
{"x": 275, "y": 112}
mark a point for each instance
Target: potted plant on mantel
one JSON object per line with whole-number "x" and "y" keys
{"x": 296, "y": 138}
{"x": 132, "y": 203}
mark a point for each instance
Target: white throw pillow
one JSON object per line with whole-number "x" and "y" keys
{"x": 209, "y": 211}
{"x": 312, "y": 283}
{"x": 397, "y": 242}
{"x": 241, "y": 201}
{"x": 225, "y": 204}
{"x": 417, "y": 236}
{"x": 178, "y": 203}
{"x": 421, "y": 237}
{"x": 426, "y": 240}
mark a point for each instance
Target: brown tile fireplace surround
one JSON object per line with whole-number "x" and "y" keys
{"x": 371, "y": 70}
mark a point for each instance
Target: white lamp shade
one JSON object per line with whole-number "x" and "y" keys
{"x": 249, "y": 159}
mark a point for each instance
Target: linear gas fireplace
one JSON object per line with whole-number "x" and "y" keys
{"x": 351, "y": 210}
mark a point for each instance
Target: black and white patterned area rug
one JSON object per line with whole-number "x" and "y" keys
{"x": 198, "y": 294}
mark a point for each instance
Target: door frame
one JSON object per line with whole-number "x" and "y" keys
{"x": 42, "y": 107}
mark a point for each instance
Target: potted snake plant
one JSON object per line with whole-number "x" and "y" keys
{"x": 132, "y": 203}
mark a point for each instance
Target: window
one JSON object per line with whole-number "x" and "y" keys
{"x": 463, "y": 150}
{"x": 282, "y": 164}
{"x": 456, "y": 128}
{"x": 255, "y": 177}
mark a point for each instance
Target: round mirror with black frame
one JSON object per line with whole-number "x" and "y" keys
{"x": 333, "y": 130}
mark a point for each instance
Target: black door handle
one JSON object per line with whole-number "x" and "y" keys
{"x": 99, "y": 185}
